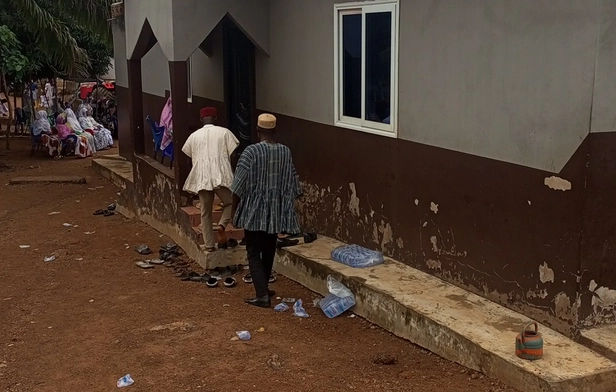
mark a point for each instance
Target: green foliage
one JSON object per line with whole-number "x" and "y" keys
{"x": 69, "y": 38}
{"x": 12, "y": 61}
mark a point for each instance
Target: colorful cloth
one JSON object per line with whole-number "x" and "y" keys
{"x": 52, "y": 143}
{"x": 267, "y": 185}
{"x": 210, "y": 149}
{"x": 102, "y": 136}
{"x": 62, "y": 128}
{"x": 166, "y": 121}
{"x": 41, "y": 124}
{"x": 73, "y": 123}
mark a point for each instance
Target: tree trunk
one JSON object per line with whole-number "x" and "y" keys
{"x": 15, "y": 104}
{"x": 5, "y": 90}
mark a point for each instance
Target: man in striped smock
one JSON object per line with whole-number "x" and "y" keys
{"x": 264, "y": 191}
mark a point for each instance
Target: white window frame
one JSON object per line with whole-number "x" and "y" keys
{"x": 190, "y": 79}
{"x": 359, "y": 124}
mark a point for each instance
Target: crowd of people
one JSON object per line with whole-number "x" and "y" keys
{"x": 65, "y": 133}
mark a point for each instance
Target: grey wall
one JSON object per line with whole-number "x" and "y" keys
{"x": 208, "y": 72}
{"x": 512, "y": 80}
{"x": 194, "y": 20}
{"x": 119, "y": 52}
{"x": 155, "y": 72}
{"x": 604, "y": 102}
{"x": 504, "y": 79}
{"x": 159, "y": 15}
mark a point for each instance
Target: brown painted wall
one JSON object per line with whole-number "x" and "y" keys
{"x": 124, "y": 137}
{"x": 598, "y": 255}
{"x": 498, "y": 231}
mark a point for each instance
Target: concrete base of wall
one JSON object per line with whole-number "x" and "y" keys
{"x": 120, "y": 173}
{"x": 451, "y": 322}
{"x": 445, "y": 319}
{"x": 601, "y": 339}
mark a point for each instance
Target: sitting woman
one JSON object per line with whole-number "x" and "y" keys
{"x": 82, "y": 149}
{"x": 102, "y": 136}
{"x": 73, "y": 123}
{"x": 41, "y": 129}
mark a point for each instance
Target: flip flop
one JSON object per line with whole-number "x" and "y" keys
{"x": 243, "y": 242}
{"x": 210, "y": 249}
{"x": 111, "y": 207}
{"x": 157, "y": 262}
{"x": 247, "y": 278}
{"x": 144, "y": 265}
{"x": 272, "y": 278}
{"x": 230, "y": 282}
{"x": 99, "y": 212}
{"x": 108, "y": 213}
{"x": 310, "y": 237}
{"x": 285, "y": 242}
{"x": 189, "y": 275}
{"x": 212, "y": 282}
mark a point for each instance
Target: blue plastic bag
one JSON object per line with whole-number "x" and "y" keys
{"x": 338, "y": 301}
{"x": 357, "y": 257}
{"x": 298, "y": 309}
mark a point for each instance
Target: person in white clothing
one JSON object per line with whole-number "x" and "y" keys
{"x": 210, "y": 149}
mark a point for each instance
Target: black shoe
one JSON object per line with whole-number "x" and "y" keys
{"x": 262, "y": 302}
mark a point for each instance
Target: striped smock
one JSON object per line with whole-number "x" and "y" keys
{"x": 267, "y": 185}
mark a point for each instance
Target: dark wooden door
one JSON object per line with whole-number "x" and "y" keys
{"x": 240, "y": 96}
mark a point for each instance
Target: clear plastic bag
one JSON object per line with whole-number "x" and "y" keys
{"x": 338, "y": 301}
{"x": 337, "y": 288}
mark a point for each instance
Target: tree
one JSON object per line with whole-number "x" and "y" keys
{"x": 67, "y": 38}
{"x": 12, "y": 63}
{"x": 48, "y": 22}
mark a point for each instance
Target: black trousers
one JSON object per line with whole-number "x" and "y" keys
{"x": 261, "y": 249}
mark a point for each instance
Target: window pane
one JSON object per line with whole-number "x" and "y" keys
{"x": 378, "y": 66}
{"x": 351, "y": 71}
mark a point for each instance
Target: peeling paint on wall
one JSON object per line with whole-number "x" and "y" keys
{"x": 400, "y": 243}
{"x": 557, "y": 183}
{"x": 434, "y": 207}
{"x": 354, "y": 202}
{"x": 416, "y": 202}
{"x": 563, "y": 308}
{"x": 537, "y": 294}
{"x": 433, "y": 264}
{"x": 387, "y": 232}
{"x": 546, "y": 274}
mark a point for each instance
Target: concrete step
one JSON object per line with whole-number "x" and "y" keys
{"x": 451, "y": 322}
{"x": 601, "y": 339}
{"x": 231, "y": 232}
{"x": 195, "y": 215}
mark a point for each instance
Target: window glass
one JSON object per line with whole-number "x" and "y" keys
{"x": 351, "y": 63}
{"x": 378, "y": 67}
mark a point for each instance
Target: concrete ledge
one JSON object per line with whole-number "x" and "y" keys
{"x": 600, "y": 339}
{"x": 119, "y": 172}
{"x": 48, "y": 180}
{"x": 451, "y": 322}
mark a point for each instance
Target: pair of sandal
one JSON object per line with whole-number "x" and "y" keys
{"x": 209, "y": 280}
{"x": 248, "y": 278}
{"x": 106, "y": 212}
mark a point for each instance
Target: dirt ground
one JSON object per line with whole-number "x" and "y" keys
{"x": 91, "y": 316}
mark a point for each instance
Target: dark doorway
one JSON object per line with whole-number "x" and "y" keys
{"x": 240, "y": 96}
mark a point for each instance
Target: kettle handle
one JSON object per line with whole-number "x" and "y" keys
{"x": 527, "y": 327}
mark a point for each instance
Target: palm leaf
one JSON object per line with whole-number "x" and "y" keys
{"x": 54, "y": 37}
